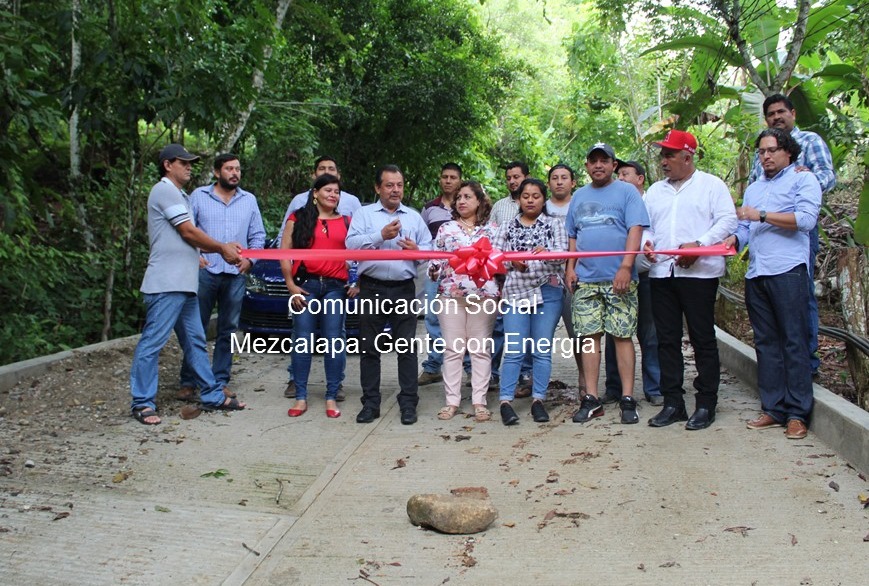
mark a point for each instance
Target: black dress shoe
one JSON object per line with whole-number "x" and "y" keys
{"x": 701, "y": 419}
{"x": 508, "y": 416}
{"x": 668, "y": 416}
{"x": 538, "y": 412}
{"x": 408, "y": 416}
{"x": 367, "y": 415}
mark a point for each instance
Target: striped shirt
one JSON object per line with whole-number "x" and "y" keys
{"x": 814, "y": 154}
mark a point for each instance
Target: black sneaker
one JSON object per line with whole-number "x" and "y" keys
{"x": 538, "y": 412}
{"x": 589, "y": 408}
{"x": 508, "y": 415}
{"x": 628, "y": 405}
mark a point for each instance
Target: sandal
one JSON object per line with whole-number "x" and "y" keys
{"x": 447, "y": 412}
{"x": 481, "y": 414}
{"x": 229, "y": 394}
{"x": 231, "y": 405}
{"x": 144, "y": 413}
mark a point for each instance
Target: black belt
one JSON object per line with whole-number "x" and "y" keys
{"x": 382, "y": 283}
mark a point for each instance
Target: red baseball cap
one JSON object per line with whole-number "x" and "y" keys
{"x": 679, "y": 140}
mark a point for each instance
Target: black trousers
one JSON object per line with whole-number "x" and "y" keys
{"x": 673, "y": 297}
{"x": 371, "y": 323}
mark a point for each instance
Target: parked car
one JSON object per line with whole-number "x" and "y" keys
{"x": 265, "y": 307}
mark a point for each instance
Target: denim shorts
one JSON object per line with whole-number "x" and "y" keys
{"x": 597, "y": 309}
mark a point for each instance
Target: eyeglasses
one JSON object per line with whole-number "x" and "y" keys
{"x": 770, "y": 151}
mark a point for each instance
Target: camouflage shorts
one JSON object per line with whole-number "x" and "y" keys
{"x": 597, "y": 309}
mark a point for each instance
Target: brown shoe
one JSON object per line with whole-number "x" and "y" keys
{"x": 763, "y": 422}
{"x": 187, "y": 394}
{"x": 290, "y": 391}
{"x": 796, "y": 429}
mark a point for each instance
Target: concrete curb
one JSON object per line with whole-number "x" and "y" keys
{"x": 838, "y": 423}
{"x": 10, "y": 374}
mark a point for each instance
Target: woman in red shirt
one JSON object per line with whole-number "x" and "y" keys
{"x": 317, "y": 291}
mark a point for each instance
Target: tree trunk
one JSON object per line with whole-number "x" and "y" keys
{"x": 853, "y": 269}
{"x": 233, "y": 133}
{"x": 107, "y": 303}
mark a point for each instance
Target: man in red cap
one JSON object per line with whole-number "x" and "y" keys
{"x": 687, "y": 209}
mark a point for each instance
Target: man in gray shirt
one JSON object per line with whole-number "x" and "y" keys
{"x": 170, "y": 285}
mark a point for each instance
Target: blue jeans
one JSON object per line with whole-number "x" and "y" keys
{"x": 165, "y": 312}
{"x": 227, "y": 290}
{"x": 781, "y": 340}
{"x": 435, "y": 360}
{"x": 648, "y": 339}
{"x": 328, "y": 321}
{"x": 814, "y": 247}
{"x": 534, "y": 327}
{"x": 498, "y": 355}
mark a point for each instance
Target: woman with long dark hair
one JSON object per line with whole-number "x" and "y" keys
{"x": 465, "y": 326}
{"x": 317, "y": 290}
{"x": 534, "y": 290}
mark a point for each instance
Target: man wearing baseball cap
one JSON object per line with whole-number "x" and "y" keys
{"x": 634, "y": 173}
{"x": 605, "y": 215}
{"x": 170, "y": 286}
{"x": 687, "y": 209}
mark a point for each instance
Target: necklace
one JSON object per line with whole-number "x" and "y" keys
{"x": 468, "y": 226}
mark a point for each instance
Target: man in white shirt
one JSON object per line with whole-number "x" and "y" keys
{"x": 688, "y": 209}
{"x": 562, "y": 183}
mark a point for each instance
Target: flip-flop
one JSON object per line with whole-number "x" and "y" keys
{"x": 482, "y": 414}
{"x": 229, "y": 394}
{"x": 233, "y": 405}
{"x": 142, "y": 414}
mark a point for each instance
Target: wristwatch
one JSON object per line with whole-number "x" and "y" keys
{"x": 762, "y": 216}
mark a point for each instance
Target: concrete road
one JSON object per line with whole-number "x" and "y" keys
{"x": 258, "y": 498}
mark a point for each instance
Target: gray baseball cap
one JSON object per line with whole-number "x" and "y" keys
{"x": 602, "y": 146}
{"x": 176, "y": 151}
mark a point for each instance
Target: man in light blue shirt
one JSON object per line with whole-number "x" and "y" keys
{"x": 779, "y": 210}
{"x": 815, "y": 157}
{"x": 385, "y": 286}
{"x": 347, "y": 203}
{"x": 225, "y": 212}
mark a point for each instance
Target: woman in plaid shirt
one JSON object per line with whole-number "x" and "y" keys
{"x": 532, "y": 296}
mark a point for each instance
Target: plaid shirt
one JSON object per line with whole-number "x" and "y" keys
{"x": 814, "y": 154}
{"x": 547, "y": 232}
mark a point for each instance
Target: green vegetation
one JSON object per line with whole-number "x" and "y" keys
{"x": 90, "y": 90}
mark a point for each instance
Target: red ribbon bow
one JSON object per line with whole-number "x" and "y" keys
{"x": 479, "y": 261}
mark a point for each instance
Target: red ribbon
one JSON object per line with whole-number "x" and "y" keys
{"x": 480, "y": 262}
